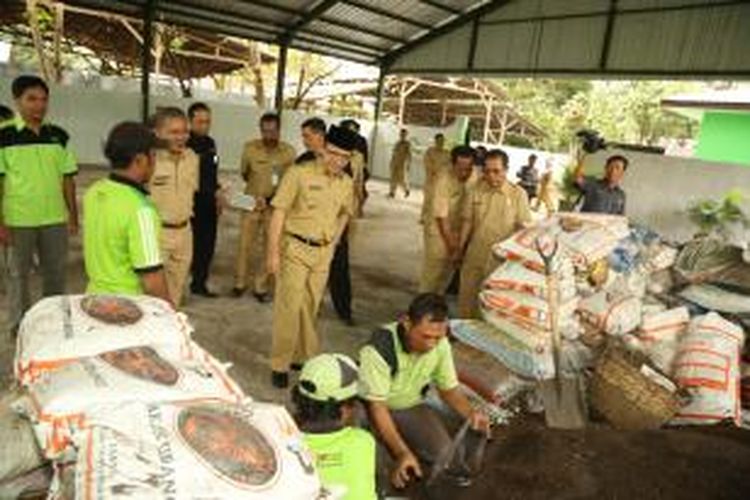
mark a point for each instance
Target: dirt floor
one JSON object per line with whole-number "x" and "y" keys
{"x": 526, "y": 461}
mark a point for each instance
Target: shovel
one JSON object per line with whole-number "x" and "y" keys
{"x": 564, "y": 397}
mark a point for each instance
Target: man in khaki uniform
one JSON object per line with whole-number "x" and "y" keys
{"x": 493, "y": 211}
{"x": 311, "y": 209}
{"x": 437, "y": 160}
{"x": 264, "y": 161}
{"x": 400, "y": 163}
{"x": 172, "y": 189}
{"x": 443, "y": 228}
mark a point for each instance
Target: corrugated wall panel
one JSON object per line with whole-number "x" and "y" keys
{"x": 449, "y": 52}
{"x": 523, "y": 9}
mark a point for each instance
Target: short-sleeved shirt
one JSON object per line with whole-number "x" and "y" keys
{"x": 387, "y": 352}
{"x": 436, "y": 162}
{"x": 313, "y": 200}
{"x": 174, "y": 184}
{"x": 120, "y": 236}
{"x": 33, "y": 167}
{"x": 205, "y": 147}
{"x": 448, "y": 199}
{"x": 599, "y": 197}
{"x": 494, "y": 213}
{"x": 345, "y": 460}
{"x": 401, "y": 154}
{"x": 263, "y": 168}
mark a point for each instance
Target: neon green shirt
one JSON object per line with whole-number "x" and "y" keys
{"x": 345, "y": 460}
{"x": 33, "y": 166}
{"x": 414, "y": 371}
{"x": 120, "y": 236}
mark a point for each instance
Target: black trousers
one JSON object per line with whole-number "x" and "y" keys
{"x": 339, "y": 279}
{"x": 204, "y": 222}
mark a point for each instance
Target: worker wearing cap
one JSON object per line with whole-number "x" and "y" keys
{"x": 121, "y": 224}
{"x": 264, "y": 162}
{"x": 398, "y": 366}
{"x": 493, "y": 211}
{"x": 173, "y": 187}
{"x": 400, "y": 163}
{"x": 443, "y": 226}
{"x": 437, "y": 160}
{"x": 311, "y": 209}
{"x": 325, "y": 400}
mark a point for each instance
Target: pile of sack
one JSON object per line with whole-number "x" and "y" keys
{"x": 124, "y": 404}
{"x": 613, "y": 282}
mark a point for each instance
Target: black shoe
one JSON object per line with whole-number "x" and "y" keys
{"x": 280, "y": 380}
{"x": 263, "y": 298}
{"x": 297, "y": 367}
{"x": 204, "y": 292}
{"x": 407, "y": 194}
{"x": 238, "y": 292}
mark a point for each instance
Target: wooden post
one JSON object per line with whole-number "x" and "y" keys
{"x": 158, "y": 50}
{"x": 36, "y": 36}
{"x": 401, "y": 103}
{"x": 281, "y": 77}
{"x": 59, "y": 29}
{"x": 488, "y": 119}
{"x": 443, "y": 112}
{"x": 148, "y": 38}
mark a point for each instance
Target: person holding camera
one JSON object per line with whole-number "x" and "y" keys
{"x": 603, "y": 195}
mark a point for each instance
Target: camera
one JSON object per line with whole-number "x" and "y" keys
{"x": 591, "y": 141}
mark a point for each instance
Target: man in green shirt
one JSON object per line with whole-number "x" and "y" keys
{"x": 397, "y": 367}
{"x": 325, "y": 399}
{"x": 37, "y": 192}
{"x": 121, "y": 225}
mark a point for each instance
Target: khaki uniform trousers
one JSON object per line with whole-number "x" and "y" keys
{"x": 399, "y": 177}
{"x": 437, "y": 266}
{"x": 177, "y": 255}
{"x": 251, "y": 255}
{"x": 473, "y": 273}
{"x": 302, "y": 279}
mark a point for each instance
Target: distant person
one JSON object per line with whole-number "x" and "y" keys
{"x": 313, "y": 138}
{"x": 493, "y": 211}
{"x": 173, "y": 187}
{"x": 400, "y": 164}
{"x": 480, "y": 153}
{"x": 437, "y": 160}
{"x": 397, "y": 366}
{"x": 310, "y": 211}
{"x": 603, "y": 195}
{"x": 546, "y": 187}
{"x": 361, "y": 173}
{"x": 528, "y": 177}
{"x": 6, "y": 115}
{"x": 207, "y": 203}
{"x": 443, "y": 226}
{"x": 264, "y": 162}
{"x": 325, "y": 400}
{"x": 121, "y": 224}
{"x": 38, "y": 196}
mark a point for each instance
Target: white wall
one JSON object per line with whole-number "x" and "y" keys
{"x": 661, "y": 188}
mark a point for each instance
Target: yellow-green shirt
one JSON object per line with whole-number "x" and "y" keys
{"x": 413, "y": 371}
{"x": 33, "y": 166}
{"x": 120, "y": 236}
{"x": 345, "y": 460}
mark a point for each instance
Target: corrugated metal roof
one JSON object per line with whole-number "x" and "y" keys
{"x": 635, "y": 38}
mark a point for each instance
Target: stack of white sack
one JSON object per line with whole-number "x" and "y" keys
{"x": 194, "y": 449}
{"x": 60, "y": 329}
{"x": 516, "y": 277}
{"x": 660, "y": 334}
{"x": 708, "y": 367}
{"x": 612, "y": 313}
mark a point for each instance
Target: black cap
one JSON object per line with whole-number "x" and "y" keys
{"x": 342, "y": 138}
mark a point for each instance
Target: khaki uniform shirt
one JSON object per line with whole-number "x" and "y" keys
{"x": 173, "y": 185}
{"x": 495, "y": 214}
{"x": 263, "y": 168}
{"x": 448, "y": 200}
{"x": 401, "y": 155}
{"x": 313, "y": 201}
{"x": 436, "y": 161}
{"x": 357, "y": 164}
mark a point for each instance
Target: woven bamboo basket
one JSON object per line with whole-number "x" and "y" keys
{"x": 627, "y": 398}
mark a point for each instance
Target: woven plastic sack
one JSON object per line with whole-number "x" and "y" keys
{"x": 526, "y": 308}
{"x": 517, "y": 277}
{"x": 708, "y": 367}
{"x": 526, "y": 353}
{"x": 59, "y": 329}
{"x": 613, "y": 314}
{"x": 200, "y": 449}
{"x": 660, "y": 334}
{"x": 19, "y": 452}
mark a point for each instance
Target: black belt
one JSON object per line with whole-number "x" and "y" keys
{"x": 179, "y": 225}
{"x": 308, "y": 241}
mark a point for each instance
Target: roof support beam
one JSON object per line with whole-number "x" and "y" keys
{"x": 387, "y": 13}
{"x": 473, "y": 44}
{"x": 280, "y": 78}
{"x": 307, "y": 18}
{"x": 363, "y": 29}
{"x": 443, "y": 7}
{"x": 149, "y": 12}
{"x": 604, "y": 56}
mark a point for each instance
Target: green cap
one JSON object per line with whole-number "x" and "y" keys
{"x": 329, "y": 377}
